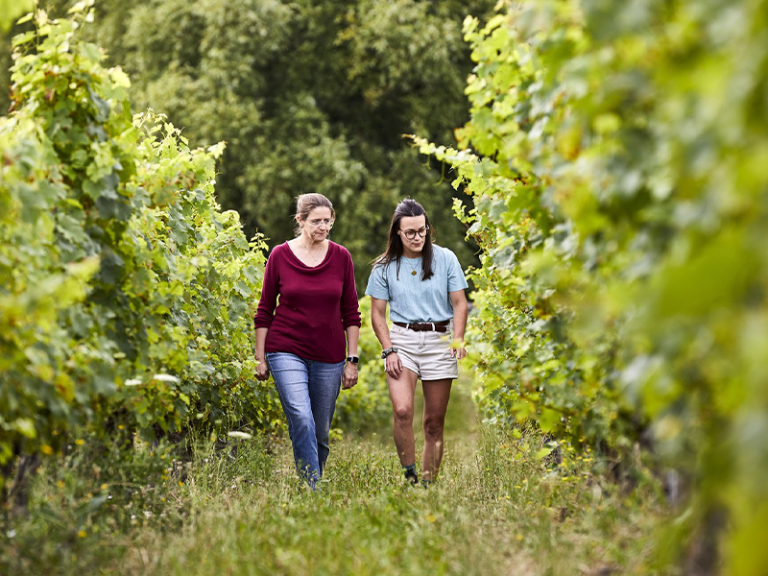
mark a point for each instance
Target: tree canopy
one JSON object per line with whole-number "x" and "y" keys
{"x": 309, "y": 96}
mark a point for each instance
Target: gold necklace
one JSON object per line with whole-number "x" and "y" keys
{"x": 413, "y": 270}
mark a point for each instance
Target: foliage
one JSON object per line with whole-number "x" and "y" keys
{"x": 126, "y": 294}
{"x": 309, "y": 96}
{"x": 616, "y": 158}
{"x": 12, "y": 9}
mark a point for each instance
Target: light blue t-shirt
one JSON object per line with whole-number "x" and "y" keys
{"x": 413, "y": 300}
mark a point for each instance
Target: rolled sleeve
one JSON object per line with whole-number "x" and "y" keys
{"x": 456, "y": 279}
{"x": 377, "y": 284}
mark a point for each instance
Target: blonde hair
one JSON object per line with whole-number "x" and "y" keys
{"x": 308, "y": 202}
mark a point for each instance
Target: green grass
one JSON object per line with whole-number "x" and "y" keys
{"x": 496, "y": 509}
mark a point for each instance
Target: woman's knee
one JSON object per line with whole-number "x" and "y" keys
{"x": 403, "y": 412}
{"x": 433, "y": 427}
{"x": 302, "y": 423}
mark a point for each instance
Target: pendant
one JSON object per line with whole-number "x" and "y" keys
{"x": 413, "y": 273}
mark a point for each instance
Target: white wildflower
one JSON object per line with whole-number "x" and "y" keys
{"x": 166, "y": 378}
{"x": 238, "y": 434}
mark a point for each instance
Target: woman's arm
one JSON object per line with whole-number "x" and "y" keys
{"x": 379, "y": 322}
{"x": 392, "y": 364}
{"x": 265, "y": 314}
{"x": 353, "y": 337}
{"x": 460, "y": 310}
{"x": 349, "y": 376}
{"x": 350, "y": 318}
{"x": 262, "y": 371}
{"x": 350, "y": 306}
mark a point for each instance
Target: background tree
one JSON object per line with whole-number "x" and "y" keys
{"x": 310, "y": 96}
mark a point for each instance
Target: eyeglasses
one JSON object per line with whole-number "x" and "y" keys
{"x": 315, "y": 223}
{"x": 411, "y": 234}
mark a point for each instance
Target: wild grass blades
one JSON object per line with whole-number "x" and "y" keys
{"x": 238, "y": 508}
{"x": 488, "y": 514}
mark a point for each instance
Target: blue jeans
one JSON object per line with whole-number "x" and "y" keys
{"x": 308, "y": 391}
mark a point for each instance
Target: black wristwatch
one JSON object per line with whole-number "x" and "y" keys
{"x": 353, "y": 359}
{"x": 388, "y": 351}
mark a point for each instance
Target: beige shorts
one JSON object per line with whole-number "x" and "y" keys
{"x": 428, "y": 354}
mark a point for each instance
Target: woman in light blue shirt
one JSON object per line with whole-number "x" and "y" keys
{"x": 424, "y": 286}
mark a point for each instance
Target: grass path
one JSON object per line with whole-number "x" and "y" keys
{"x": 489, "y": 514}
{"x": 496, "y": 509}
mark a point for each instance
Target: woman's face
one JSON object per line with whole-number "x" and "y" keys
{"x": 413, "y": 226}
{"x": 318, "y": 224}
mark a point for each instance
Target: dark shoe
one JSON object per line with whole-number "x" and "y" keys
{"x": 411, "y": 477}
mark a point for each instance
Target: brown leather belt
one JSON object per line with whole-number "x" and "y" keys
{"x": 426, "y": 326}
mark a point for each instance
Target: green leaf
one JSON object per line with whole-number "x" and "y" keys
{"x": 542, "y": 453}
{"x": 26, "y": 427}
{"x": 12, "y": 9}
{"x": 549, "y": 420}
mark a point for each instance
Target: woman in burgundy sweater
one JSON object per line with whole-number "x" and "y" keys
{"x": 300, "y": 337}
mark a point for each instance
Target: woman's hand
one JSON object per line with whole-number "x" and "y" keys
{"x": 457, "y": 349}
{"x": 392, "y": 365}
{"x": 349, "y": 376}
{"x": 262, "y": 370}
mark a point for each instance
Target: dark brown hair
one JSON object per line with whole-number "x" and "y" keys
{"x": 308, "y": 202}
{"x": 394, "y": 251}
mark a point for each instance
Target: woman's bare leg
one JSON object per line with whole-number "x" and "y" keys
{"x": 402, "y": 391}
{"x": 436, "y": 396}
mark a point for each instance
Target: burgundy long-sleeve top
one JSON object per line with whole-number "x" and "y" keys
{"x": 307, "y": 310}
